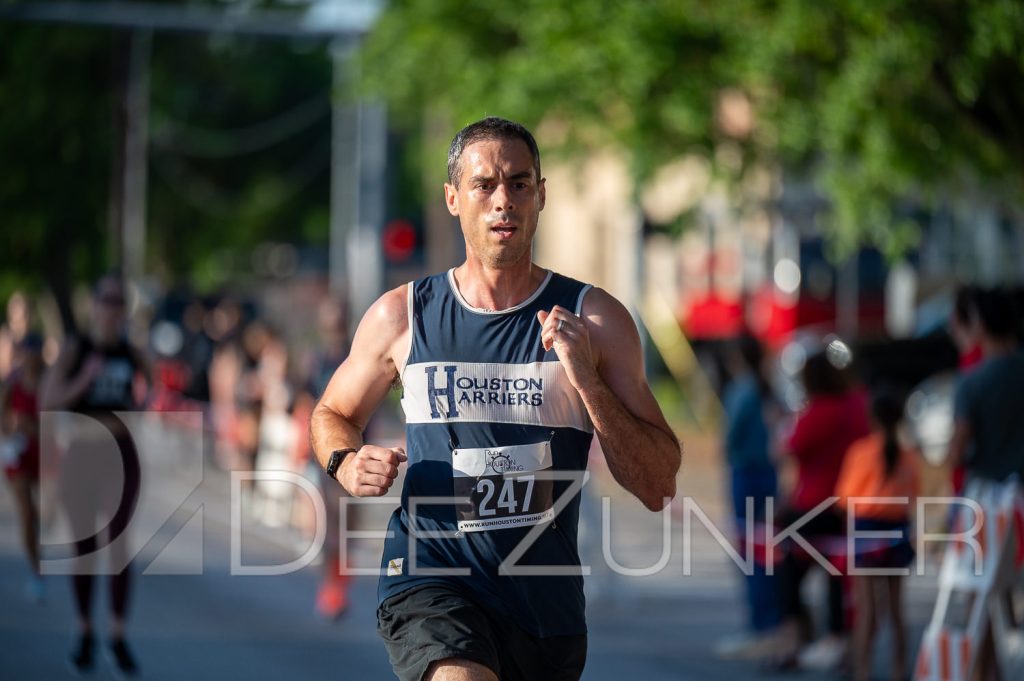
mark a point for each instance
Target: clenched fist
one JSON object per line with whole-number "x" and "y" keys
{"x": 569, "y": 335}
{"x": 371, "y": 471}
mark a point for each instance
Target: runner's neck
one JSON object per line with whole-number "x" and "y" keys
{"x": 494, "y": 290}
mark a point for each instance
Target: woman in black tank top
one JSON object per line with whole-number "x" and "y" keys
{"x": 98, "y": 375}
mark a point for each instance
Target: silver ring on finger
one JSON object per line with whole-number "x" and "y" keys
{"x": 561, "y": 323}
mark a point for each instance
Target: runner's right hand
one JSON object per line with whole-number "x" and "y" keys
{"x": 371, "y": 471}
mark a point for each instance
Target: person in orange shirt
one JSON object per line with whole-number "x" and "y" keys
{"x": 877, "y": 471}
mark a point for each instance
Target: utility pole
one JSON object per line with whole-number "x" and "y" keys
{"x": 344, "y": 170}
{"x": 136, "y": 158}
{"x": 358, "y": 177}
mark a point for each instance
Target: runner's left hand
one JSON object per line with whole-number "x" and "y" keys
{"x": 569, "y": 335}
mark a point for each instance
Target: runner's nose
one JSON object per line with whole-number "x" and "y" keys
{"x": 502, "y": 199}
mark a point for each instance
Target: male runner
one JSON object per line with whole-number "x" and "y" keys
{"x": 507, "y": 371}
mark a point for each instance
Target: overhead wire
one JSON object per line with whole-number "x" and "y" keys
{"x": 187, "y": 140}
{"x": 201, "y": 194}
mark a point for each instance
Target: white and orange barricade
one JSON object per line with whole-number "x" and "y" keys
{"x": 979, "y": 572}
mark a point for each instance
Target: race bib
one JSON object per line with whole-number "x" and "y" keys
{"x": 502, "y": 486}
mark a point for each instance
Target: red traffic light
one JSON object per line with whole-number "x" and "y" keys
{"x": 398, "y": 240}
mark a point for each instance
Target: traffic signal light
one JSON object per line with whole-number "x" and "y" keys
{"x": 400, "y": 240}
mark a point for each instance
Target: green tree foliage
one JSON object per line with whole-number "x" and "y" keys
{"x": 55, "y": 135}
{"x": 239, "y": 151}
{"x": 882, "y": 103}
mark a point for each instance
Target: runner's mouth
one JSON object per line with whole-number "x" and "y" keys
{"x": 504, "y": 230}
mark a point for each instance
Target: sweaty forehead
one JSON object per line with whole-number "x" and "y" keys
{"x": 496, "y": 157}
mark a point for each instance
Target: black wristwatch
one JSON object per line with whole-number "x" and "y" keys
{"x": 334, "y": 463}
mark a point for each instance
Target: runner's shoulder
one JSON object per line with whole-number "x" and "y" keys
{"x": 387, "y": 319}
{"x": 604, "y": 310}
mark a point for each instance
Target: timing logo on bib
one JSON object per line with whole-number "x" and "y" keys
{"x": 502, "y": 463}
{"x": 502, "y": 487}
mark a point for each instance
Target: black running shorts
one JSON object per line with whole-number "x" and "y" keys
{"x": 434, "y": 622}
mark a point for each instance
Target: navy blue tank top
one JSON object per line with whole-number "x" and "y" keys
{"x": 494, "y": 428}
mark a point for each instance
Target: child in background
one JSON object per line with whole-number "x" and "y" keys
{"x": 877, "y": 466}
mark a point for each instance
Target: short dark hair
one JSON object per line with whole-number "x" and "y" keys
{"x": 997, "y": 313}
{"x": 821, "y": 377}
{"x": 490, "y": 128}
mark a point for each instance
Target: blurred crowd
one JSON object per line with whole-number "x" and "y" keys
{"x": 177, "y": 356}
{"x": 836, "y": 452}
{"x": 220, "y": 355}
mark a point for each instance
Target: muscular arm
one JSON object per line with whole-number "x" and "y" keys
{"x": 602, "y": 355}
{"x": 354, "y": 393}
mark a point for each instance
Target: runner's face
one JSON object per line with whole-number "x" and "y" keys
{"x": 498, "y": 201}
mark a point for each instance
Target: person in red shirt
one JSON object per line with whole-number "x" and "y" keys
{"x": 834, "y": 417}
{"x": 19, "y": 446}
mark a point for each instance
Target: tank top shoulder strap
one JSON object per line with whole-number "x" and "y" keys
{"x": 564, "y": 291}
{"x": 426, "y": 299}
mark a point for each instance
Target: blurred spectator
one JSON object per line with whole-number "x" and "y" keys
{"x": 223, "y": 325}
{"x": 333, "y": 346}
{"x": 248, "y": 394}
{"x": 197, "y": 352}
{"x": 964, "y": 327}
{"x": 98, "y": 374}
{"x": 15, "y": 327}
{"x": 749, "y": 413}
{"x": 834, "y": 417}
{"x": 877, "y": 466}
{"x": 276, "y": 434}
{"x": 988, "y": 431}
{"x": 988, "y": 435}
{"x": 19, "y": 427}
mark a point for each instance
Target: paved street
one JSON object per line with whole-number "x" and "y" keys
{"x": 216, "y": 626}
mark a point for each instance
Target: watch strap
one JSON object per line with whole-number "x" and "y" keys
{"x": 334, "y": 462}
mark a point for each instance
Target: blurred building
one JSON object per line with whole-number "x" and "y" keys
{"x": 765, "y": 267}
